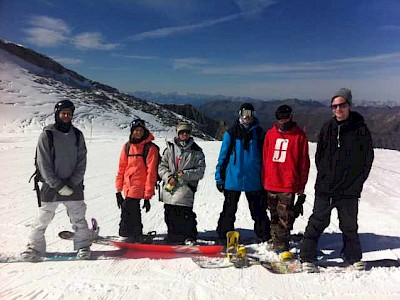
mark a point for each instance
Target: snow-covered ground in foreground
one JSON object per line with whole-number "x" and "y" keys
{"x": 180, "y": 278}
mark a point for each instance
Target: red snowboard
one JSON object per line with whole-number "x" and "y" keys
{"x": 196, "y": 249}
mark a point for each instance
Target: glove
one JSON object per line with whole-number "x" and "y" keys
{"x": 298, "y": 207}
{"x": 220, "y": 187}
{"x": 120, "y": 199}
{"x": 65, "y": 191}
{"x": 146, "y": 205}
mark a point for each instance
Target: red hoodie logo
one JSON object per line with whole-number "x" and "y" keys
{"x": 280, "y": 150}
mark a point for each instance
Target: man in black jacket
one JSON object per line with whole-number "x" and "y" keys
{"x": 344, "y": 158}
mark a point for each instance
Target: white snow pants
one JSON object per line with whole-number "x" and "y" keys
{"x": 76, "y": 211}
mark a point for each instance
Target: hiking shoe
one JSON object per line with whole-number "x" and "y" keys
{"x": 31, "y": 254}
{"x": 309, "y": 267}
{"x": 359, "y": 265}
{"x": 84, "y": 253}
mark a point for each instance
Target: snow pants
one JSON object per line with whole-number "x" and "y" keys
{"x": 281, "y": 206}
{"x": 76, "y": 211}
{"x": 347, "y": 209}
{"x": 258, "y": 211}
{"x": 181, "y": 223}
{"x": 131, "y": 218}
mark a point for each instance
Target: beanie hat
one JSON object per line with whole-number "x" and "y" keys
{"x": 183, "y": 126}
{"x": 345, "y": 93}
{"x": 64, "y": 104}
{"x": 283, "y": 112}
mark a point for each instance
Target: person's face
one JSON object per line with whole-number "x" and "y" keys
{"x": 283, "y": 121}
{"x": 340, "y": 108}
{"x": 138, "y": 132}
{"x": 65, "y": 115}
{"x": 184, "y": 135}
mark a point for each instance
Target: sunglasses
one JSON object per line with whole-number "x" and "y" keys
{"x": 138, "y": 122}
{"x": 340, "y": 105}
{"x": 184, "y": 132}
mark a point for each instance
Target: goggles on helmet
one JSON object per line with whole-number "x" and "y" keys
{"x": 247, "y": 113}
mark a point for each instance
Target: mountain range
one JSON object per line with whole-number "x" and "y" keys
{"x": 210, "y": 115}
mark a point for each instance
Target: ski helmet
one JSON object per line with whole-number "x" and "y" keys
{"x": 64, "y": 104}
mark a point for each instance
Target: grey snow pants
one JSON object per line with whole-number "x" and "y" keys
{"x": 76, "y": 211}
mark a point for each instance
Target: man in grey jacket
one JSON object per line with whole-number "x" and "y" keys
{"x": 61, "y": 162}
{"x": 182, "y": 166}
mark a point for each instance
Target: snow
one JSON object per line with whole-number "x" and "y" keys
{"x": 24, "y": 109}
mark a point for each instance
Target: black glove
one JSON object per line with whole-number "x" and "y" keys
{"x": 220, "y": 187}
{"x": 120, "y": 199}
{"x": 298, "y": 207}
{"x": 146, "y": 205}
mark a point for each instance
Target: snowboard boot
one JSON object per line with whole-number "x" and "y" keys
{"x": 359, "y": 265}
{"x": 309, "y": 267}
{"x": 31, "y": 254}
{"x": 189, "y": 242}
{"x": 84, "y": 253}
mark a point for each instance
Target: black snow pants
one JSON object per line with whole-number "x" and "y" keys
{"x": 181, "y": 223}
{"x": 347, "y": 209}
{"x": 258, "y": 211}
{"x": 131, "y": 218}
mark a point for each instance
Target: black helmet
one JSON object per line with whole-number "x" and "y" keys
{"x": 64, "y": 104}
{"x": 283, "y": 112}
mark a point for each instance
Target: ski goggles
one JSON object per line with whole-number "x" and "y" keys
{"x": 247, "y": 113}
{"x": 138, "y": 122}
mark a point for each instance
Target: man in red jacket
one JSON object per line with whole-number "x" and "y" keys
{"x": 284, "y": 173}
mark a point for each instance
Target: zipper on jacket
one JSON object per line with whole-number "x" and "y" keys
{"x": 338, "y": 136}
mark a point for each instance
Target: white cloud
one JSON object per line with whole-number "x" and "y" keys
{"x": 247, "y": 6}
{"x": 91, "y": 40}
{"x": 46, "y": 31}
{"x": 316, "y": 66}
{"x": 141, "y": 57}
{"x": 52, "y": 32}
{"x": 167, "y": 31}
{"x": 389, "y": 27}
{"x": 188, "y": 63}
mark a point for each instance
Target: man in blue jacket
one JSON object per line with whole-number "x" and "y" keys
{"x": 239, "y": 170}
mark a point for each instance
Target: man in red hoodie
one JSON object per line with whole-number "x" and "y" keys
{"x": 284, "y": 173}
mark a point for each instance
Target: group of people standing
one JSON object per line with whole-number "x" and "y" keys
{"x": 271, "y": 168}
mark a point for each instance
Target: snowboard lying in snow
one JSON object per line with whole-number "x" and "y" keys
{"x": 65, "y": 256}
{"x": 183, "y": 249}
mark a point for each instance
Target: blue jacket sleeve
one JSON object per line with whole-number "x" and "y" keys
{"x": 223, "y": 159}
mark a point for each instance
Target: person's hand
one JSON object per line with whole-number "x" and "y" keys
{"x": 220, "y": 187}
{"x": 65, "y": 191}
{"x": 172, "y": 181}
{"x": 146, "y": 205}
{"x": 120, "y": 199}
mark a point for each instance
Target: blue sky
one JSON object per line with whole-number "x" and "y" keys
{"x": 258, "y": 48}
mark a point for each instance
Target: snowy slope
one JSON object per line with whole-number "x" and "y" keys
{"x": 181, "y": 278}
